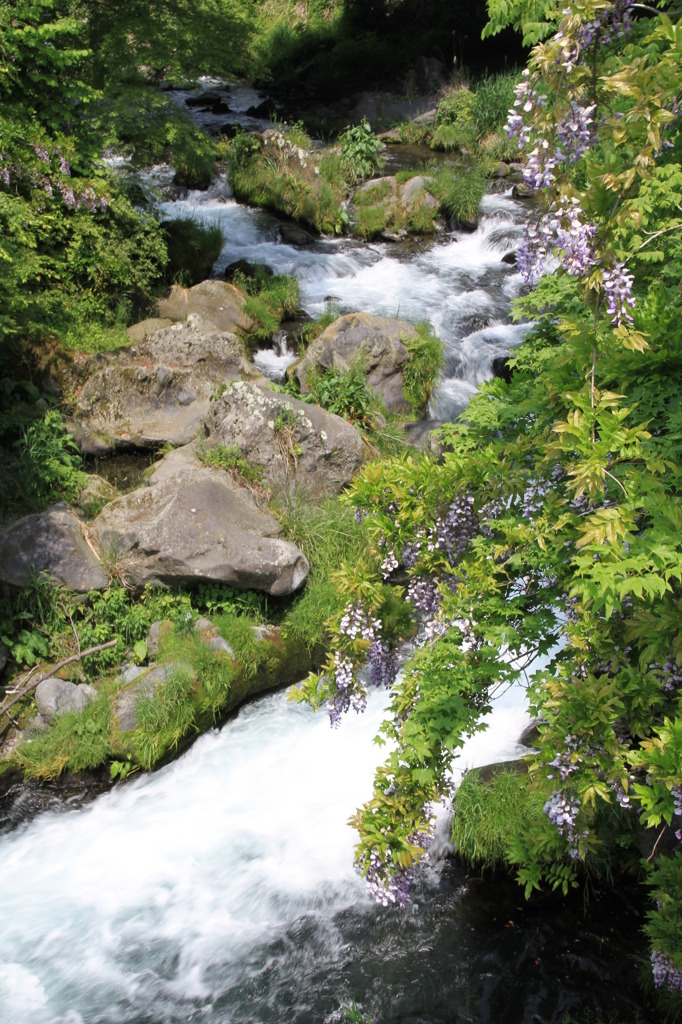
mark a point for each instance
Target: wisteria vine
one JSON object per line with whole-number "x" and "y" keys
{"x": 554, "y": 142}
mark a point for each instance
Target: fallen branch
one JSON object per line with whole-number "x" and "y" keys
{"x": 4, "y": 709}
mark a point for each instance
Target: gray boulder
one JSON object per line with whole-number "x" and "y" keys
{"x": 159, "y": 390}
{"x": 301, "y": 447}
{"x": 379, "y": 341}
{"x": 192, "y": 522}
{"x": 53, "y": 543}
{"x": 139, "y": 686}
{"x": 57, "y": 696}
{"x": 139, "y": 331}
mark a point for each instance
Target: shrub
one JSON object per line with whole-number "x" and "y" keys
{"x": 232, "y": 461}
{"x": 454, "y": 122}
{"x": 360, "y": 149}
{"x": 328, "y": 535}
{"x": 344, "y": 392}
{"x": 74, "y": 742}
{"x": 165, "y": 717}
{"x": 489, "y": 814}
{"x": 257, "y": 181}
{"x": 46, "y": 467}
{"x": 371, "y": 221}
{"x": 270, "y": 298}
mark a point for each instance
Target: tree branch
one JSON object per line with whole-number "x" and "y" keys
{"x": 4, "y": 708}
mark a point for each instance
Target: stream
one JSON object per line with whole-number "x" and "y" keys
{"x": 221, "y": 889}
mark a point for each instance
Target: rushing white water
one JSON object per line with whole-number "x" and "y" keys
{"x": 162, "y": 898}
{"x": 458, "y": 283}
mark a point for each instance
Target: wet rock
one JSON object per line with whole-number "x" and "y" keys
{"x": 378, "y": 339}
{"x": 300, "y": 447}
{"x": 217, "y": 302}
{"x": 522, "y": 191}
{"x": 295, "y": 235}
{"x": 530, "y": 737}
{"x": 424, "y": 435}
{"x": 210, "y": 100}
{"x": 510, "y": 259}
{"x": 500, "y": 367}
{"x": 228, "y": 131}
{"x": 57, "y": 696}
{"x": 193, "y": 522}
{"x": 464, "y": 223}
{"x": 159, "y": 391}
{"x": 265, "y": 109}
{"x": 53, "y": 543}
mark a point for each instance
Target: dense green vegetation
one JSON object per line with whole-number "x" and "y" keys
{"x": 550, "y": 527}
{"x": 44, "y": 623}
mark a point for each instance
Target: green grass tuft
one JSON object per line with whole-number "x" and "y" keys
{"x": 423, "y": 371}
{"x": 489, "y": 813}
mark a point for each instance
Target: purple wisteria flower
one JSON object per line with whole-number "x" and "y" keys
{"x": 562, "y": 809}
{"x": 574, "y": 239}
{"x": 575, "y": 134}
{"x": 666, "y": 974}
{"x": 618, "y": 292}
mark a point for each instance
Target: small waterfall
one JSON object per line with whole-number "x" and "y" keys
{"x": 273, "y": 362}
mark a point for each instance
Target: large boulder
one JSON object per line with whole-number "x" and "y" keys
{"x": 218, "y": 302}
{"x": 192, "y": 522}
{"x": 301, "y": 448}
{"x": 53, "y": 543}
{"x": 375, "y": 339}
{"x": 159, "y": 390}
{"x": 57, "y": 696}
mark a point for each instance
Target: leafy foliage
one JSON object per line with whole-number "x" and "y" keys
{"x": 343, "y": 392}
{"x": 46, "y": 467}
{"x": 546, "y": 540}
{"x": 360, "y": 149}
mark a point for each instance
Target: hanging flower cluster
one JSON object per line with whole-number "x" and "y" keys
{"x": 554, "y": 140}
